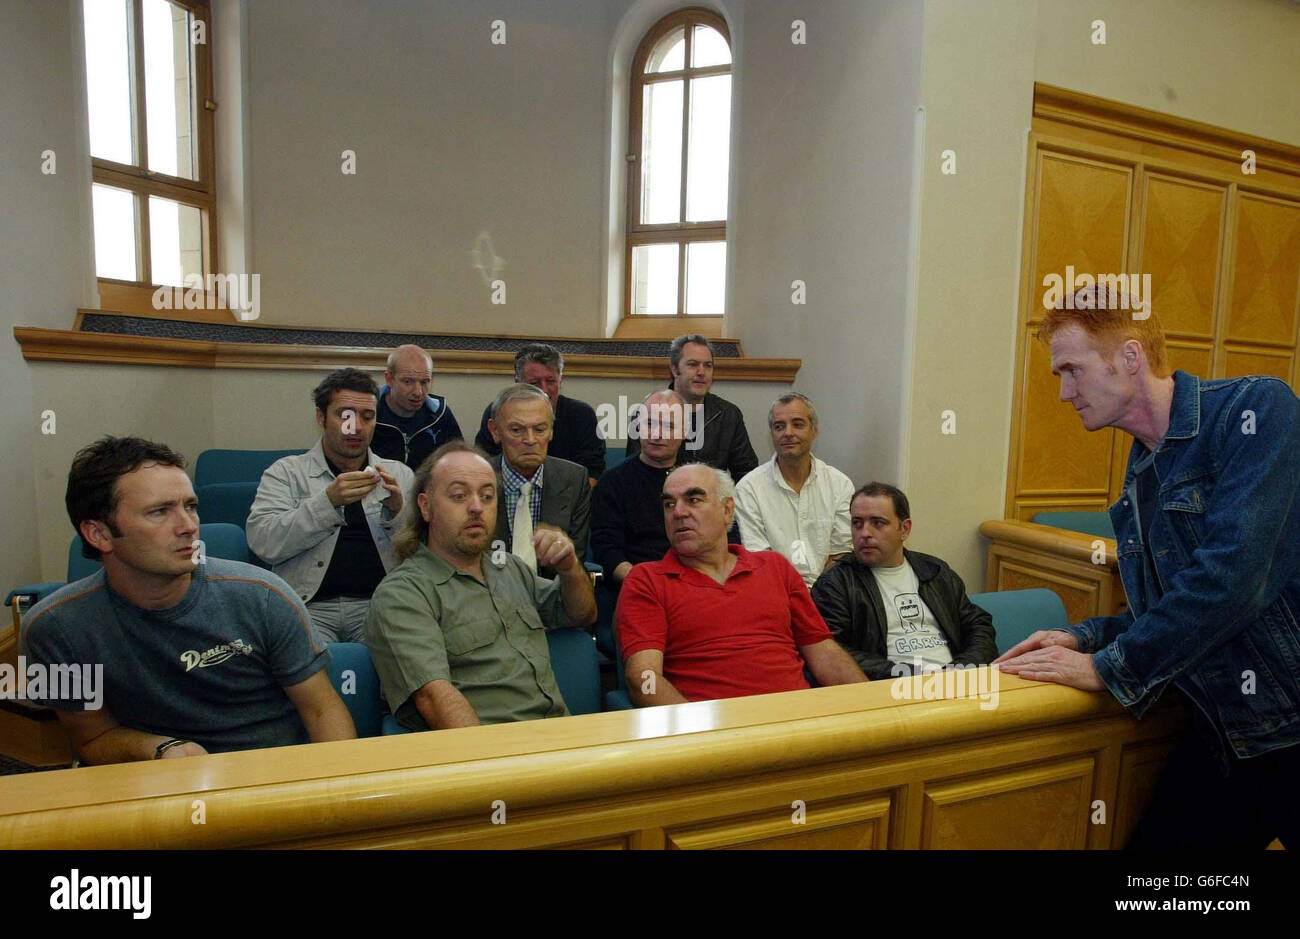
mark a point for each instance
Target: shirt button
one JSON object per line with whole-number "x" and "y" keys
{"x": 304, "y": 596}
{"x": 320, "y": 563}
{"x": 1126, "y": 501}
{"x": 1130, "y": 541}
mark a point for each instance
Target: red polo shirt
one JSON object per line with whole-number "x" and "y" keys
{"x": 722, "y": 640}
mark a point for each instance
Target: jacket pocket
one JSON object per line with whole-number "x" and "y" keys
{"x": 1184, "y": 507}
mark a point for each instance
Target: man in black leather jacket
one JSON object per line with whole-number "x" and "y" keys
{"x": 897, "y": 611}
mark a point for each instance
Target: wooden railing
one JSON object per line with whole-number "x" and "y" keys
{"x": 1022, "y": 765}
{"x": 1081, "y": 568}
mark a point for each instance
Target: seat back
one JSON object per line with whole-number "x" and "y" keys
{"x": 226, "y": 502}
{"x": 235, "y": 466}
{"x": 220, "y": 540}
{"x": 577, "y": 669}
{"x": 353, "y": 676}
{"x": 1089, "y": 523}
{"x": 1017, "y": 613}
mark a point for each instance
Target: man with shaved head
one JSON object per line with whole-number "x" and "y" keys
{"x": 714, "y": 620}
{"x": 411, "y": 422}
{"x": 627, "y": 524}
{"x": 457, "y": 631}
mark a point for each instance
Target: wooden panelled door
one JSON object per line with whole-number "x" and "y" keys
{"x": 1213, "y": 217}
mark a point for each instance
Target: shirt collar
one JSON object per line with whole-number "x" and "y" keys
{"x": 318, "y": 465}
{"x": 780, "y": 480}
{"x": 745, "y": 561}
{"x": 438, "y": 569}
{"x": 514, "y": 481}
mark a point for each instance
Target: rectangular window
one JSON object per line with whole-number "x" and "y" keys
{"x": 148, "y": 92}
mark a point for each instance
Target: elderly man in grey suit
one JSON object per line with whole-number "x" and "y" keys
{"x": 536, "y": 490}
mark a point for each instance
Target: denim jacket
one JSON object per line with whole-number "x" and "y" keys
{"x": 294, "y": 527}
{"x": 1224, "y": 627}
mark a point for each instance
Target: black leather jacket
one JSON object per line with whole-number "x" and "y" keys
{"x": 850, "y": 602}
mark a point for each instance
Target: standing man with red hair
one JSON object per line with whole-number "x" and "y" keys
{"x": 1208, "y": 536}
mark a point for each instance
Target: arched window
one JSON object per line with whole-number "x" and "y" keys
{"x": 679, "y": 168}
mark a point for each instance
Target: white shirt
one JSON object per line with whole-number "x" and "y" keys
{"x": 913, "y": 633}
{"x": 807, "y": 526}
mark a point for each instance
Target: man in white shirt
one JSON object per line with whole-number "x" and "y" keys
{"x": 795, "y": 504}
{"x": 898, "y": 612}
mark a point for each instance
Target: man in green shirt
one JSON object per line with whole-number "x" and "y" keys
{"x": 457, "y": 631}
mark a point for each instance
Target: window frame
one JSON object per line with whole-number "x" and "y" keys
{"x": 681, "y": 233}
{"x": 136, "y": 296}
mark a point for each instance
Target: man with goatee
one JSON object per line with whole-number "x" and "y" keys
{"x": 457, "y": 631}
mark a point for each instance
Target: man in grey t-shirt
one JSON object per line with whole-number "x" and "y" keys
{"x": 199, "y": 655}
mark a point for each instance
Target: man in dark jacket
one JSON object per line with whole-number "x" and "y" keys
{"x": 411, "y": 423}
{"x": 719, "y": 437}
{"x": 898, "y": 612}
{"x": 574, "y": 436}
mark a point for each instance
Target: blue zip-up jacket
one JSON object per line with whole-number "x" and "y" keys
{"x": 440, "y": 426}
{"x": 1224, "y": 627}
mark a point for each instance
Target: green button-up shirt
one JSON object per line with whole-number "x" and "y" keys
{"x": 428, "y": 621}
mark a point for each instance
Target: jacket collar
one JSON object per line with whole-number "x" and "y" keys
{"x": 1185, "y": 411}
{"x": 317, "y": 466}
{"x": 925, "y": 566}
{"x": 434, "y": 405}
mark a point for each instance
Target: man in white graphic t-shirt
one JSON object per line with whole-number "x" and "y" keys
{"x": 897, "y": 611}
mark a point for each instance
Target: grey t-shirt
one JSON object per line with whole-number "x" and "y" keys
{"x": 211, "y": 669}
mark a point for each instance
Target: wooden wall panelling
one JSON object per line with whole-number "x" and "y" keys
{"x": 1044, "y": 806}
{"x": 1058, "y": 457}
{"x": 1078, "y": 215}
{"x": 1266, "y": 283}
{"x": 1180, "y": 243}
{"x": 1222, "y": 249}
{"x": 1022, "y": 555}
{"x": 1082, "y": 596}
{"x": 847, "y": 824}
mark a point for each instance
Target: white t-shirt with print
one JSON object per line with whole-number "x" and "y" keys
{"x": 913, "y": 633}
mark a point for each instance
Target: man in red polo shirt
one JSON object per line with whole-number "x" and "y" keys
{"x": 712, "y": 620}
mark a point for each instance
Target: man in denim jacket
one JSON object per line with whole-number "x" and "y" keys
{"x": 1208, "y": 538}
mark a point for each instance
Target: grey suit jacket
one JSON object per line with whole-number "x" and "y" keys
{"x": 566, "y": 504}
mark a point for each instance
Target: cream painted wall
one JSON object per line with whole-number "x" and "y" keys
{"x": 466, "y": 152}
{"x": 1233, "y": 63}
{"x": 823, "y": 194}
{"x": 44, "y": 257}
{"x": 170, "y": 405}
{"x": 1227, "y": 62}
{"x": 978, "y": 101}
